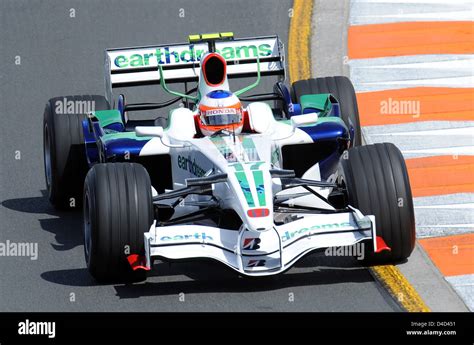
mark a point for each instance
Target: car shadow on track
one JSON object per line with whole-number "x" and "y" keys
{"x": 211, "y": 277}
{"x": 65, "y": 225}
{"x": 202, "y": 276}
{"x": 214, "y": 278}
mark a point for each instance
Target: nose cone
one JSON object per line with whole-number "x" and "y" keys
{"x": 253, "y": 186}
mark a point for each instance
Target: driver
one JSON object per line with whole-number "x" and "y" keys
{"x": 220, "y": 111}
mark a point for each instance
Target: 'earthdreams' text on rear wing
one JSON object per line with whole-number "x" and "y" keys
{"x": 139, "y": 65}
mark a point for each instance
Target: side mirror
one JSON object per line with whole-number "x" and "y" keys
{"x": 149, "y": 131}
{"x": 305, "y": 119}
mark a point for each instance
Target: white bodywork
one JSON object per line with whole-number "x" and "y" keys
{"x": 260, "y": 246}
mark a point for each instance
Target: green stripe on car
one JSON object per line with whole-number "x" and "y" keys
{"x": 108, "y": 117}
{"x": 244, "y": 185}
{"x": 237, "y": 166}
{"x": 256, "y": 166}
{"x": 259, "y": 184}
{"x": 123, "y": 135}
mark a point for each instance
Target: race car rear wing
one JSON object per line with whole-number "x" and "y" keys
{"x": 139, "y": 65}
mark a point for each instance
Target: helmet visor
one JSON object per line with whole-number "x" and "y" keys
{"x": 222, "y": 117}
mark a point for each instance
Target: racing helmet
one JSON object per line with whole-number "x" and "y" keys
{"x": 220, "y": 110}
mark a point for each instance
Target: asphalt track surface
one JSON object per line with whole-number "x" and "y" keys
{"x": 61, "y": 55}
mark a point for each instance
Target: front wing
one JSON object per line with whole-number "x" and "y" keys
{"x": 258, "y": 253}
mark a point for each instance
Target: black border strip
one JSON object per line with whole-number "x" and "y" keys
{"x": 246, "y": 328}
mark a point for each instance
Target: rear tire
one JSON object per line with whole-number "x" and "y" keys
{"x": 65, "y": 162}
{"x": 376, "y": 180}
{"x": 117, "y": 211}
{"x": 341, "y": 88}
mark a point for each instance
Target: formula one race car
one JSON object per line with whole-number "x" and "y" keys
{"x": 253, "y": 185}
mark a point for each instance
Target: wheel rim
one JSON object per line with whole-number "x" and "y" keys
{"x": 87, "y": 228}
{"x": 47, "y": 157}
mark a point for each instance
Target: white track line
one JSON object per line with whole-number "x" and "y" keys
{"x": 455, "y": 206}
{"x": 460, "y": 150}
{"x": 464, "y": 286}
{"x": 447, "y": 70}
{"x": 428, "y": 142}
{"x": 377, "y": 12}
{"x": 447, "y": 226}
{"x": 416, "y": 127}
{"x": 463, "y": 131}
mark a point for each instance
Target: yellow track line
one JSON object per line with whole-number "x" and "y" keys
{"x": 399, "y": 287}
{"x": 299, "y": 65}
{"x": 299, "y": 59}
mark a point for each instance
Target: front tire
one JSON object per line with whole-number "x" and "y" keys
{"x": 117, "y": 211}
{"x": 376, "y": 180}
{"x": 65, "y": 162}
